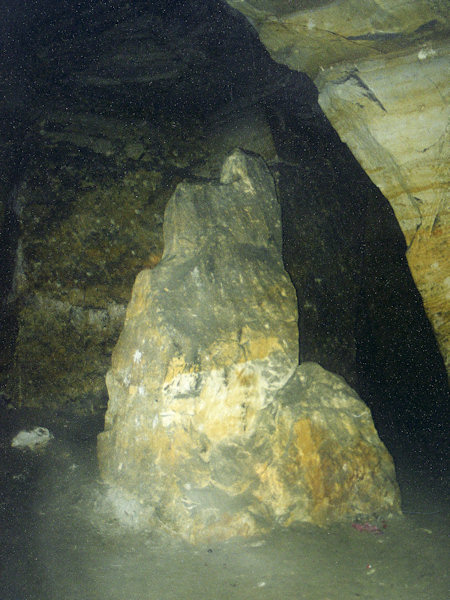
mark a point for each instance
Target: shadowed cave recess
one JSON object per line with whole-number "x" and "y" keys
{"x": 105, "y": 107}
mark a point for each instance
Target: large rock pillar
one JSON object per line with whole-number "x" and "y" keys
{"x": 212, "y": 429}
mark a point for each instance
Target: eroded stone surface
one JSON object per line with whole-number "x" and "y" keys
{"x": 327, "y": 460}
{"x": 210, "y": 424}
{"x": 86, "y": 228}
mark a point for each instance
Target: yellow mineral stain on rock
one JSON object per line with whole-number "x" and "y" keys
{"x": 318, "y": 459}
{"x": 261, "y": 347}
{"x": 428, "y": 249}
{"x": 177, "y": 366}
{"x": 273, "y": 493}
{"x": 245, "y": 378}
{"x": 304, "y": 457}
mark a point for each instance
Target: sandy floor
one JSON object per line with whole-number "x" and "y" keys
{"x": 57, "y": 544}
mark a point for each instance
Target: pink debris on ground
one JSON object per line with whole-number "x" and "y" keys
{"x": 368, "y": 527}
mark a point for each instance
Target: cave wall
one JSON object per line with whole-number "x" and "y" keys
{"x": 89, "y": 165}
{"x": 91, "y": 151}
{"x": 381, "y": 71}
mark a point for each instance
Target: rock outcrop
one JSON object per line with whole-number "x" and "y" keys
{"x": 382, "y": 75}
{"x": 212, "y": 429}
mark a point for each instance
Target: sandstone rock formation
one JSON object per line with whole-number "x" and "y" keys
{"x": 382, "y": 73}
{"x": 211, "y": 427}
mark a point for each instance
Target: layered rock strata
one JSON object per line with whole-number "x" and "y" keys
{"x": 212, "y": 429}
{"x": 393, "y": 113}
{"x": 382, "y": 75}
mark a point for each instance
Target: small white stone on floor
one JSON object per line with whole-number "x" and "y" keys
{"x": 38, "y": 437}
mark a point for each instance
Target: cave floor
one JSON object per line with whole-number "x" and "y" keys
{"x": 57, "y": 544}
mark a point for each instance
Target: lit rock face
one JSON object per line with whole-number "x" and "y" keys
{"x": 211, "y": 426}
{"x": 382, "y": 75}
{"x": 313, "y": 35}
{"x": 393, "y": 113}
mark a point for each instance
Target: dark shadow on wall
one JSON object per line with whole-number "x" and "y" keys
{"x": 13, "y": 149}
{"x": 360, "y": 314}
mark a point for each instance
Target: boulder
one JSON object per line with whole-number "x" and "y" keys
{"x": 211, "y": 425}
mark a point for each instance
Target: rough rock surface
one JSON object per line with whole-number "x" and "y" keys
{"x": 84, "y": 185}
{"x": 382, "y": 74}
{"x": 211, "y": 427}
{"x": 89, "y": 217}
{"x": 89, "y": 212}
